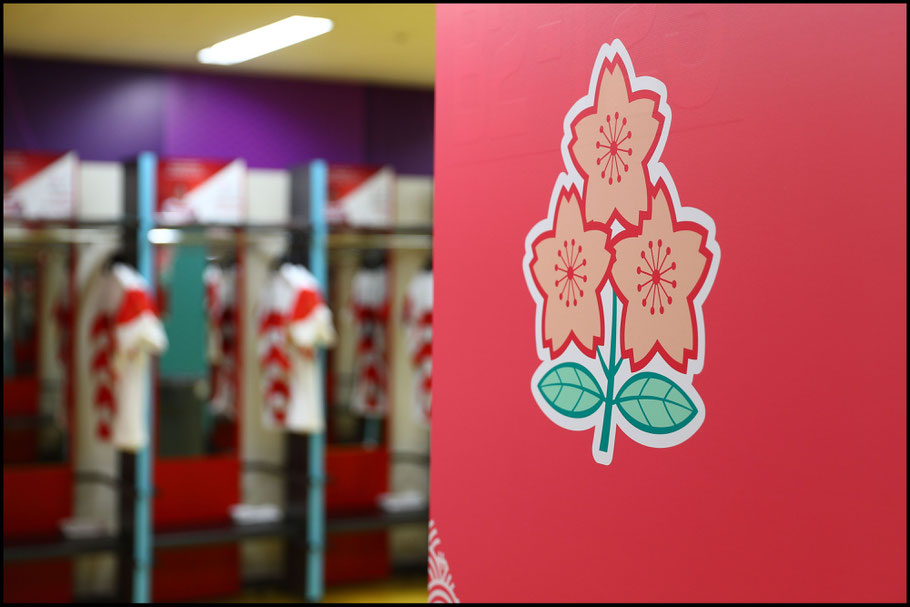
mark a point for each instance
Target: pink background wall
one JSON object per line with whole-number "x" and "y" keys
{"x": 789, "y": 130}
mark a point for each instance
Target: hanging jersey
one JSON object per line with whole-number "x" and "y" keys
{"x": 123, "y": 329}
{"x": 221, "y": 350}
{"x": 137, "y": 333}
{"x": 418, "y": 317}
{"x": 293, "y": 320}
{"x": 116, "y": 330}
{"x": 370, "y": 304}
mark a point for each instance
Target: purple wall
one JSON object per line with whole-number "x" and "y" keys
{"x": 270, "y": 122}
{"x": 400, "y": 126}
{"x": 111, "y": 113}
{"x": 105, "y": 113}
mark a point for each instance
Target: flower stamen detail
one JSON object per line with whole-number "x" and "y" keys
{"x": 572, "y": 261}
{"x": 613, "y": 158}
{"x": 656, "y": 272}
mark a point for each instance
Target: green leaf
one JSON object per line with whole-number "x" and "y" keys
{"x": 571, "y": 389}
{"x": 654, "y": 404}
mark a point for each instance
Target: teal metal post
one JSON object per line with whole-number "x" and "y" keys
{"x": 142, "y": 557}
{"x": 319, "y": 186}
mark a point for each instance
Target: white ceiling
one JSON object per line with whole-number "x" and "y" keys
{"x": 390, "y": 44}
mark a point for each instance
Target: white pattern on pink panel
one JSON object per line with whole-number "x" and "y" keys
{"x": 441, "y": 587}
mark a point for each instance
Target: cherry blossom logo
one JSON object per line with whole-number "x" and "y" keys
{"x": 619, "y": 271}
{"x": 655, "y": 281}
{"x": 613, "y": 154}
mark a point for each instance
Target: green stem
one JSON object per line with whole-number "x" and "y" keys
{"x": 610, "y": 372}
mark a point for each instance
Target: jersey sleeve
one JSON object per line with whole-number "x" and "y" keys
{"x": 310, "y": 320}
{"x": 136, "y": 323}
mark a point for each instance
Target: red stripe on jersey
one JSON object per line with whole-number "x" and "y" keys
{"x": 306, "y": 302}
{"x": 104, "y": 431}
{"x": 382, "y": 313}
{"x": 365, "y": 344}
{"x": 101, "y": 325}
{"x": 278, "y": 387}
{"x": 371, "y": 374}
{"x": 426, "y": 351}
{"x": 100, "y": 362}
{"x": 367, "y": 314}
{"x": 135, "y": 302}
{"x": 104, "y": 398}
{"x": 272, "y": 320}
{"x": 276, "y": 356}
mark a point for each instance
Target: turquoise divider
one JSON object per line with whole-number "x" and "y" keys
{"x": 185, "y": 322}
{"x": 142, "y": 556}
{"x": 319, "y": 186}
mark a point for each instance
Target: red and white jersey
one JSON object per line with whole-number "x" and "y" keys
{"x": 293, "y": 320}
{"x": 123, "y": 329}
{"x": 370, "y": 304}
{"x": 418, "y": 317}
{"x": 116, "y": 330}
{"x": 221, "y": 351}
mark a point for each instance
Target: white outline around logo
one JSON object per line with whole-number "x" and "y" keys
{"x": 657, "y": 171}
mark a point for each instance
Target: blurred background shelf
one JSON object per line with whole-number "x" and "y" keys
{"x": 198, "y": 536}
{"x": 377, "y": 520}
{"x": 59, "y": 547}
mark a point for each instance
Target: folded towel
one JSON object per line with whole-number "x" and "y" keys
{"x": 402, "y": 501}
{"x": 255, "y": 513}
{"x": 83, "y": 528}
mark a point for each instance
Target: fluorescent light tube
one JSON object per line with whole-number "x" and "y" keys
{"x": 265, "y": 39}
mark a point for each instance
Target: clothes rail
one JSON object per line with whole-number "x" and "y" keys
{"x": 41, "y": 236}
{"x": 392, "y": 237}
{"x": 218, "y": 233}
{"x": 380, "y": 241}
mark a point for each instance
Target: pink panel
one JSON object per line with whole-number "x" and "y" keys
{"x": 788, "y": 130}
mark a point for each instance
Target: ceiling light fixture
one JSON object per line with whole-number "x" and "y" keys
{"x": 265, "y": 39}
